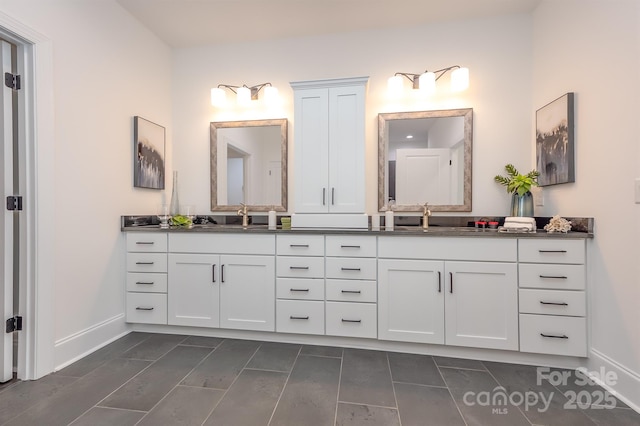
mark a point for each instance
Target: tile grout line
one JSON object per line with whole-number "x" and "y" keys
{"x": 275, "y": 407}
{"x": 335, "y": 416}
{"x": 393, "y": 388}
{"x": 180, "y": 381}
{"x": 501, "y": 385}
{"x": 418, "y": 384}
{"x": 234, "y": 380}
{"x": 451, "y": 395}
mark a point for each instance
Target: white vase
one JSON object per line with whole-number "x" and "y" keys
{"x": 174, "y": 207}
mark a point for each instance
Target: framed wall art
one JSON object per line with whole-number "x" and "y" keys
{"x": 148, "y": 165}
{"x": 555, "y": 144}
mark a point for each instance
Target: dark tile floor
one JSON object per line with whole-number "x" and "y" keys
{"x": 154, "y": 379}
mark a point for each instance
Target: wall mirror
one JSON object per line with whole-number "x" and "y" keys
{"x": 425, "y": 157}
{"x": 249, "y": 165}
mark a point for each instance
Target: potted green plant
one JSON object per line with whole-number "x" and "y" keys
{"x": 520, "y": 186}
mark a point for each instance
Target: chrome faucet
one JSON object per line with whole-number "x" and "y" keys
{"x": 243, "y": 212}
{"x": 425, "y": 216}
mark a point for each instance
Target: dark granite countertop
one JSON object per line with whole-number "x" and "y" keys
{"x": 441, "y": 226}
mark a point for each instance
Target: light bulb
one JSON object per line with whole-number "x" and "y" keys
{"x": 243, "y": 96}
{"x": 394, "y": 85}
{"x": 271, "y": 96}
{"x": 218, "y": 97}
{"x": 427, "y": 83}
{"x": 459, "y": 79}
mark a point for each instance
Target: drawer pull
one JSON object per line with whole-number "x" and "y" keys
{"x": 333, "y": 196}
{"x": 555, "y": 277}
{"x": 353, "y": 247}
{"x": 451, "y": 282}
{"x": 554, "y": 303}
{"x": 298, "y": 289}
{"x": 299, "y": 267}
{"x": 552, "y": 251}
{"x": 553, "y": 336}
{"x": 143, "y": 308}
{"x": 213, "y": 273}
{"x": 352, "y": 291}
{"x": 439, "y": 282}
{"x": 350, "y": 269}
{"x": 349, "y": 320}
{"x": 145, "y": 282}
{"x": 298, "y": 318}
{"x": 299, "y": 245}
{"x": 324, "y": 196}
{"x": 144, "y": 242}
{"x": 144, "y": 263}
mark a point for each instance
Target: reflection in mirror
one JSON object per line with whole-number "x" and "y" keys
{"x": 249, "y": 165}
{"x": 425, "y": 157}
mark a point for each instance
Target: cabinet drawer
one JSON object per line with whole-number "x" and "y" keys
{"x": 447, "y": 248}
{"x": 557, "y": 277}
{"x": 548, "y": 334}
{"x": 300, "y": 245}
{"x": 300, "y": 288}
{"x": 552, "y": 302}
{"x": 147, "y": 262}
{"x": 300, "y": 316}
{"x": 356, "y": 268}
{"x": 351, "y": 319}
{"x": 227, "y": 243}
{"x": 147, "y": 308}
{"x": 551, "y": 251}
{"x": 146, "y": 241}
{"x": 351, "y": 291}
{"x": 147, "y": 282}
{"x": 351, "y": 246}
{"x": 300, "y": 267}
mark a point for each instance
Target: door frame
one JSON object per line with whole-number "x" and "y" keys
{"x": 37, "y": 227}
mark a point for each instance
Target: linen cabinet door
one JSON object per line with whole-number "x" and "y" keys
{"x": 411, "y": 300}
{"x": 194, "y": 290}
{"x": 247, "y": 292}
{"x": 481, "y": 305}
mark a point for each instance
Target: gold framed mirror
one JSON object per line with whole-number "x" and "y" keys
{"x": 249, "y": 165}
{"x": 425, "y": 157}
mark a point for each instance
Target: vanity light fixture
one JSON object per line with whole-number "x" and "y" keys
{"x": 426, "y": 82}
{"x": 244, "y": 94}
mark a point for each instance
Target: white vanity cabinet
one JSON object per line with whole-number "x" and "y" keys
{"x": 225, "y": 280}
{"x": 329, "y": 146}
{"x": 300, "y": 284}
{"x": 146, "y": 300}
{"x": 427, "y": 295}
{"x": 552, "y": 278}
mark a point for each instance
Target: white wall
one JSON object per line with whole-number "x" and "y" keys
{"x": 592, "y": 48}
{"x": 497, "y": 52}
{"x": 107, "y": 68}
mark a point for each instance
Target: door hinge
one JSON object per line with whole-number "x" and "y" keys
{"x": 14, "y": 324}
{"x": 12, "y": 81}
{"x": 14, "y": 202}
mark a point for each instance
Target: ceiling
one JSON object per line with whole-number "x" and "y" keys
{"x": 190, "y": 23}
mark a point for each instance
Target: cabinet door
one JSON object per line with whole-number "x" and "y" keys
{"x": 411, "y": 300}
{"x": 346, "y": 190}
{"x": 481, "y": 305}
{"x": 247, "y": 292}
{"x": 193, "y": 295}
{"x": 311, "y": 136}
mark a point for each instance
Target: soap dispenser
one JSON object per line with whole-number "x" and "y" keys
{"x": 388, "y": 217}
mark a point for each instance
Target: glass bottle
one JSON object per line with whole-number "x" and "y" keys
{"x": 174, "y": 207}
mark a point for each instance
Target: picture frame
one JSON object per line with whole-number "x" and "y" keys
{"x": 149, "y": 154}
{"x": 555, "y": 141}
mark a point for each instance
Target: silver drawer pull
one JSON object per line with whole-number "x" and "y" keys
{"x": 298, "y": 289}
{"x": 299, "y": 245}
{"x": 349, "y": 320}
{"x": 145, "y": 282}
{"x": 298, "y": 318}
{"x": 554, "y": 303}
{"x": 352, "y": 291}
{"x": 142, "y": 308}
{"x": 353, "y": 247}
{"x": 299, "y": 267}
{"x": 144, "y": 263}
{"x": 553, "y": 336}
{"x": 350, "y": 269}
{"x": 554, "y": 277}
{"x": 144, "y": 242}
{"x": 552, "y": 251}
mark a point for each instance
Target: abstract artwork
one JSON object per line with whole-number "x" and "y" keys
{"x": 555, "y": 142}
{"x": 148, "y": 166}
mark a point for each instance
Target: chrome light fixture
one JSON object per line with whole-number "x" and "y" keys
{"x": 244, "y": 94}
{"x": 426, "y": 82}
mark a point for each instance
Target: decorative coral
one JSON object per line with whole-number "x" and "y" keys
{"x": 558, "y": 224}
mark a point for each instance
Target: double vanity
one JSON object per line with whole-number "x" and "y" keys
{"x": 452, "y": 287}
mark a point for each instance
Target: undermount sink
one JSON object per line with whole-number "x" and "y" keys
{"x": 436, "y": 229}
{"x": 230, "y": 226}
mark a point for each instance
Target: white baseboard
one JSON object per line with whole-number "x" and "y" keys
{"x": 78, "y": 345}
{"x": 627, "y": 383}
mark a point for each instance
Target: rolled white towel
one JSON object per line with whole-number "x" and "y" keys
{"x": 520, "y": 220}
